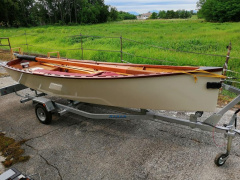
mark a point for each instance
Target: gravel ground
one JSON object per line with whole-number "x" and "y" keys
{"x": 3, "y": 82}
{"x": 2, "y": 71}
{"x": 74, "y": 147}
{"x": 1, "y": 166}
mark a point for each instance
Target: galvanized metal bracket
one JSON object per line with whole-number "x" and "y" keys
{"x": 11, "y": 89}
{"x": 47, "y": 103}
{"x": 213, "y": 119}
{"x": 231, "y": 88}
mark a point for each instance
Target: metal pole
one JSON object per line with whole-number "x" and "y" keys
{"x": 81, "y": 44}
{"x": 121, "y": 49}
{"x": 230, "y": 135}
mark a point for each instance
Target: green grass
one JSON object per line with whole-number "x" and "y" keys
{"x": 183, "y": 35}
{"x": 194, "y": 35}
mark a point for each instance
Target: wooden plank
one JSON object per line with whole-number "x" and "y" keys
{"x": 141, "y": 65}
{"x": 72, "y": 68}
{"x": 93, "y": 66}
{"x": 78, "y": 70}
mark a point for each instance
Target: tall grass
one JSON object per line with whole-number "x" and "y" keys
{"x": 182, "y": 35}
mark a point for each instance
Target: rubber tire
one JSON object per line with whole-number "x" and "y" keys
{"x": 218, "y": 159}
{"x": 199, "y": 113}
{"x": 45, "y": 117}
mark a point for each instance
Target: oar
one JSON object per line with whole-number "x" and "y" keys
{"x": 89, "y": 71}
{"x": 79, "y": 64}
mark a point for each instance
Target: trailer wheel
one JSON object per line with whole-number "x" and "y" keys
{"x": 42, "y": 114}
{"x": 219, "y": 159}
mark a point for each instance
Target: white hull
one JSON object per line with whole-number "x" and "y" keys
{"x": 174, "y": 92}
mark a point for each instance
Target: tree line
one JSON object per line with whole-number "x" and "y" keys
{"x": 219, "y": 10}
{"x": 59, "y": 12}
{"x": 171, "y": 14}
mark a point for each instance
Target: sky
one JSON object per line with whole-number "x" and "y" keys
{"x": 143, "y": 6}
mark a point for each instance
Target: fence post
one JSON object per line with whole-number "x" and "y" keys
{"x": 9, "y": 44}
{"x": 81, "y": 44}
{"x": 121, "y": 48}
{"x": 225, "y": 67}
{"x": 26, "y": 39}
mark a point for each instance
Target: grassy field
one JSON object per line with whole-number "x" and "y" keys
{"x": 182, "y": 35}
{"x": 192, "y": 35}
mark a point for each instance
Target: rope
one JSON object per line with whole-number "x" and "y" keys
{"x": 92, "y": 36}
{"x": 99, "y": 50}
{"x": 233, "y": 81}
{"x": 126, "y": 61}
{"x": 149, "y": 58}
{"x": 190, "y": 52}
{"x": 233, "y": 71}
{"x": 207, "y": 74}
{"x": 72, "y": 49}
{"x": 43, "y": 47}
{"x": 159, "y": 47}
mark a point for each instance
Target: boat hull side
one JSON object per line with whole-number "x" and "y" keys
{"x": 177, "y": 93}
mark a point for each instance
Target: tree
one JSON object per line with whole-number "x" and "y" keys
{"x": 59, "y": 12}
{"x": 38, "y": 15}
{"x": 154, "y": 15}
{"x": 162, "y": 14}
{"x": 125, "y": 16}
{"x": 200, "y": 3}
{"x": 170, "y": 14}
{"x": 219, "y": 10}
{"x": 113, "y": 15}
{"x": 183, "y": 14}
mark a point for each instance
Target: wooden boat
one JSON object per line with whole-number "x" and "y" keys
{"x": 179, "y": 88}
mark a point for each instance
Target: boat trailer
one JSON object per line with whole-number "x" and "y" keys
{"x": 45, "y": 107}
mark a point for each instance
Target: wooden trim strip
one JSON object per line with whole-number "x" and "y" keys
{"x": 94, "y": 66}
{"x": 8, "y": 66}
{"x": 139, "y": 65}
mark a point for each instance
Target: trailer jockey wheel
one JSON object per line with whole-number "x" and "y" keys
{"x": 220, "y": 159}
{"x": 42, "y": 114}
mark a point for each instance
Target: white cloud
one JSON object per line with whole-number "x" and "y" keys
{"x": 151, "y": 1}
{"x": 142, "y": 6}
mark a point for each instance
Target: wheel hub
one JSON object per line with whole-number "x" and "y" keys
{"x": 41, "y": 114}
{"x": 221, "y": 160}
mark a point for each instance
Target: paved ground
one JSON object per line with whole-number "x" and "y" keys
{"x": 73, "y": 147}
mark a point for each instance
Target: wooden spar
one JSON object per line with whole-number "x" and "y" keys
{"x": 114, "y": 67}
{"x": 93, "y": 66}
{"x": 140, "y": 65}
{"x": 79, "y": 70}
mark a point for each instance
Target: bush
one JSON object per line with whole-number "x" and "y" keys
{"x": 219, "y": 10}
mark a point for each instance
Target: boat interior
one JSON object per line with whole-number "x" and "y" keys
{"x": 88, "y": 67}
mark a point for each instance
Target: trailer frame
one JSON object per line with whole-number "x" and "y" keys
{"x": 45, "y": 107}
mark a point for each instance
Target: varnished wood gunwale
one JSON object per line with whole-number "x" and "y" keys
{"x": 94, "y": 66}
